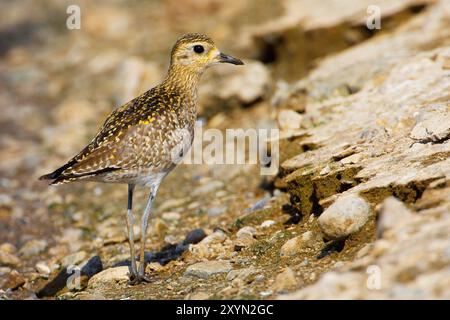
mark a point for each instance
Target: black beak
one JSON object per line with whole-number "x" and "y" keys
{"x": 224, "y": 58}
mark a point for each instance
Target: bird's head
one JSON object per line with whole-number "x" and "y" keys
{"x": 197, "y": 52}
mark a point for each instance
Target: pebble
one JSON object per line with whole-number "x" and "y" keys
{"x": 43, "y": 268}
{"x": 207, "y": 188}
{"x": 353, "y": 159}
{"x": 243, "y": 274}
{"x": 289, "y": 120}
{"x": 245, "y": 237}
{"x": 267, "y": 224}
{"x": 216, "y": 211}
{"x": 160, "y": 228}
{"x": 265, "y": 294}
{"x": 73, "y": 259}
{"x": 295, "y": 245}
{"x": 33, "y": 247}
{"x": 117, "y": 274}
{"x": 171, "y": 216}
{"x": 216, "y": 237}
{"x": 194, "y": 236}
{"x": 285, "y": 280}
{"x": 8, "y": 248}
{"x": 206, "y": 269}
{"x": 245, "y": 232}
{"x": 12, "y": 281}
{"x": 345, "y": 216}
{"x": 9, "y": 259}
{"x": 326, "y": 170}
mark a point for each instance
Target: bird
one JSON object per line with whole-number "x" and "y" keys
{"x": 142, "y": 141}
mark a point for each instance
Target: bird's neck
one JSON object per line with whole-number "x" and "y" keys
{"x": 184, "y": 80}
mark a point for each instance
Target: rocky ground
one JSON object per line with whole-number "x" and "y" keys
{"x": 360, "y": 207}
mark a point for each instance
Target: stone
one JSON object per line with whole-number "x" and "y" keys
{"x": 171, "y": 216}
{"x": 347, "y": 215}
{"x": 245, "y": 237}
{"x": 8, "y": 248}
{"x": 216, "y": 237}
{"x": 194, "y": 236}
{"x": 216, "y": 211}
{"x": 9, "y": 259}
{"x": 12, "y": 281}
{"x": 108, "y": 276}
{"x": 206, "y": 269}
{"x": 33, "y": 247}
{"x": 244, "y": 274}
{"x": 267, "y": 224}
{"x": 245, "y": 232}
{"x": 297, "y": 244}
{"x": 207, "y": 188}
{"x": 289, "y": 120}
{"x": 43, "y": 268}
{"x": 285, "y": 280}
{"x": 74, "y": 259}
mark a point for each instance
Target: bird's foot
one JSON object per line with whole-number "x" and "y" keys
{"x": 138, "y": 278}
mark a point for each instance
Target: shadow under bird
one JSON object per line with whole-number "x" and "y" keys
{"x": 143, "y": 140}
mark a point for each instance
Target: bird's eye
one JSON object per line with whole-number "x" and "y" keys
{"x": 198, "y": 49}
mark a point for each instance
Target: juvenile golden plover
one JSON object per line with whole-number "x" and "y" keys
{"x": 143, "y": 140}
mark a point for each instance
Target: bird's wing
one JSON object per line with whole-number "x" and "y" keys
{"x": 126, "y": 141}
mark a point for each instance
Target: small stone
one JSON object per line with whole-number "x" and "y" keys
{"x": 285, "y": 280}
{"x": 198, "y": 296}
{"x": 170, "y": 239}
{"x": 216, "y": 237}
{"x": 33, "y": 247}
{"x": 12, "y": 281}
{"x": 216, "y": 211}
{"x": 345, "y": 216}
{"x": 4, "y": 270}
{"x": 207, "y": 188}
{"x": 326, "y": 170}
{"x": 243, "y": 274}
{"x": 43, "y": 268}
{"x": 245, "y": 232}
{"x": 171, "y": 216}
{"x": 245, "y": 237}
{"x": 8, "y": 248}
{"x": 259, "y": 278}
{"x": 111, "y": 275}
{"x": 353, "y": 159}
{"x": 289, "y": 120}
{"x": 9, "y": 259}
{"x": 153, "y": 267}
{"x": 267, "y": 224}
{"x": 73, "y": 259}
{"x": 265, "y": 294}
{"x": 160, "y": 228}
{"x": 297, "y": 244}
{"x": 194, "y": 236}
{"x": 206, "y": 269}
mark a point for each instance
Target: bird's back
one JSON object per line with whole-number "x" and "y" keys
{"x": 143, "y": 137}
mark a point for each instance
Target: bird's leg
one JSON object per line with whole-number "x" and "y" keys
{"x": 130, "y": 224}
{"x": 144, "y": 225}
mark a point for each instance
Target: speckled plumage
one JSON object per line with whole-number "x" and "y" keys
{"x": 140, "y": 138}
{"x": 143, "y": 140}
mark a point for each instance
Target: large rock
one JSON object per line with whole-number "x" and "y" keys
{"x": 344, "y": 217}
